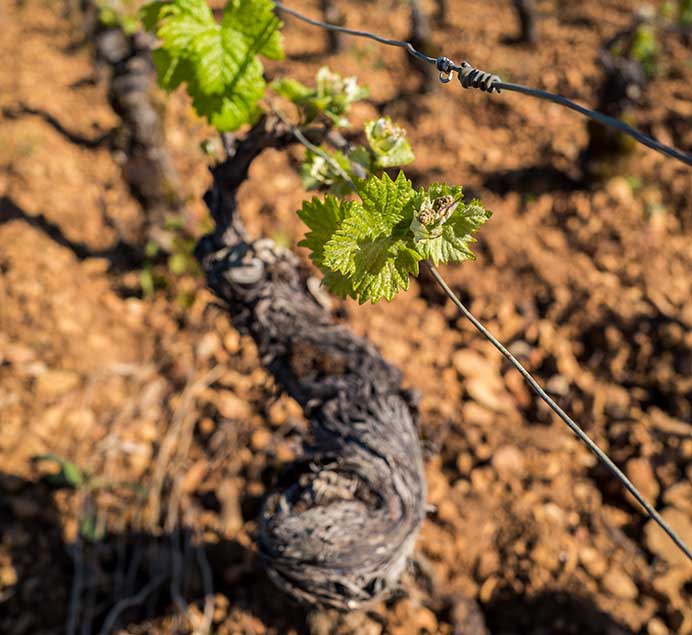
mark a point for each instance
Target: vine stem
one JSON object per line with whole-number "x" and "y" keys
{"x": 296, "y": 132}
{"x": 571, "y": 424}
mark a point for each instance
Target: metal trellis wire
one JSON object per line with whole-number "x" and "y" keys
{"x": 470, "y": 77}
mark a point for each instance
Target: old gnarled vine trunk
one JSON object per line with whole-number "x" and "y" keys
{"x": 341, "y": 531}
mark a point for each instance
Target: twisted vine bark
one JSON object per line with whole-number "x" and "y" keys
{"x": 147, "y": 166}
{"x": 140, "y": 140}
{"x": 332, "y": 14}
{"x": 341, "y": 531}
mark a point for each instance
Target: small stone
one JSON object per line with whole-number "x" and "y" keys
{"x": 469, "y": 363}
{"x": 657, "y": 627}
{"x": 551, "y": 513}
{"x": 55, "y": 383}
{"x": 231, "y": 406}
{"x": 477, "y": 414}
{"x": 207, "y": 345}
{"x": 231, "y": 342}
{"x": 8, "y": 576}
{"x": 207, "y": 426}
{"x": 620, "y": 190}
{"x": 483, "y": 452}
{"x": 620, "y": 585}
{"x": 516, "y": 385}
{"x": 194, "y": 476}
{"x": 447, "y": 512}
{"x": 487, "y": 395}
{"x": 680, "y": 496}
{"x": 220, "y": 607}
{"x": 660, "y": 544}
{"x": 285, "y": 453}
{"x": 464, "y": 463}
{"x": 508, "y": 461}
{"x": 260, "y": 439}
{"x": 485, "y": 594}
{"x": 640, "y": 472}
{"x": 426, "y": 620}
{"x": 557, "y": 385}
{"x": 481, "y": 478}
{"x": 592, "y": 560}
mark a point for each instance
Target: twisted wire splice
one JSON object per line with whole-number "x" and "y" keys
{"x": 469, "y": 76}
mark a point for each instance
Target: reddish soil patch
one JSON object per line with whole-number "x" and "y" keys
{"x": 182, "y": 431}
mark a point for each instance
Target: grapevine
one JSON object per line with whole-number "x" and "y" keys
{"x": 373, "y": 229}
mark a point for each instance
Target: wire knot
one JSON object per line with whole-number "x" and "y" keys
{"x": 470, "y": 77}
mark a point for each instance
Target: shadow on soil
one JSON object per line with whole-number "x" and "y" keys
{"x": 100, "y": 586}
{"x": 129, "y": 579}
{"x": 533, "y": 180}
{"x": 122, "y": 255}
{"x": 548, "y": 613}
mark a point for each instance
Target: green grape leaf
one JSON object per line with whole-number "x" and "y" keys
{"x": 367, "y": 249}
{"x": 377, "y": 267}
{"x": 443, "y": 225}
{"x": 385, "y": 204}
{"x": 388, "y": 143}
{"x": 255, "y": 21}
{"x": 332, "y": 96}
{"x": 339, "y": 284}
{"x": 292, "y": 89}
{"x": 383, "y": 267}
{"x": 323, "y": 218}
{"x": 217, "y": 62}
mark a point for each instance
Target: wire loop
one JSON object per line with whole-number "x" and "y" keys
{"x": 446, "y": 68}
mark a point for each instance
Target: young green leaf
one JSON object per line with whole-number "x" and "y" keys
{"x": 367, "y": 249}
{"x": 384, "y": 203}
{"x": 388, "y": 143}
{"x": 217, "y": 62}
{"x": 292, "y": 89}
{"x": 323, "y": 218}
{"x": 316, "y": 172}
{"x": 332, "y": 96}
{"x": 68, "y": 475}
{"x": 443, "y": 225}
